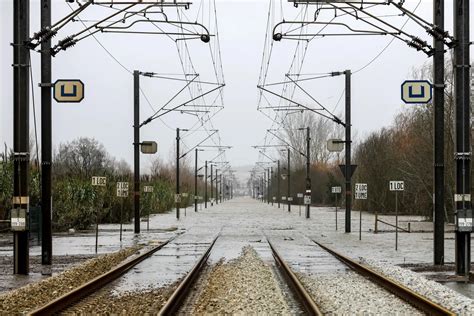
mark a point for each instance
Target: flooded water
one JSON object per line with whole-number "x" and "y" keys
{"x": 244, "y": 221}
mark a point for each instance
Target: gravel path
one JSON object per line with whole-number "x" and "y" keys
{"x": 245, "y": 285}
{"x": 349, "y": 294}
{"x": 432, "y": 290}
{"x": 33, "y": 295}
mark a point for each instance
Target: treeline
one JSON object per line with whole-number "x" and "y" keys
{"x": 402, "y": 151}
{"x": 76, "y": 203}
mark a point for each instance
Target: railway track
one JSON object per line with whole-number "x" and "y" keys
{"x": 174, "y": 303}
{"x": 425, "y": 305}
{"x": 74, "y": 296}
{"x": 302, "y": 296}
{"x": 300, "y": 292}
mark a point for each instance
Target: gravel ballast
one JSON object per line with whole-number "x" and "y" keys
{"x": 245, "y": 285}
{"x": 432, "y": 290}
{"x": 37, "y": 294}
{"x": 105, "y": 302}
{"x": 349, "y": 293}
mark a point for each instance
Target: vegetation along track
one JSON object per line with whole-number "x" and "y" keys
{"x": 396, "y": 288}
{"x": 93, "y": 285}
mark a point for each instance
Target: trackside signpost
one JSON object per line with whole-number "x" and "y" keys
{"x": 396, "y": 186}
{"x": 300, "y": 197}
{"x": 122, "y": 191}
{"x": 148, "y": 189}
{"x": 336, "y": 191}
{"x": 98, "y": 182}
{"x": 360, "y": 194}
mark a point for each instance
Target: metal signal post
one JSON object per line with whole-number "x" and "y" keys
{"x": 348, "y": 168}
{"x": 21, "y": 64}
{"x": 463, "y": 144}
{"x": 438, "y": 105}
{"x": 136, "y": 150}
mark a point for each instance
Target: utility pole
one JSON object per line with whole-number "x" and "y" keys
{"x": 270, "y": 194}
{"x": 221, "y": 188}
{"x": 205, "y": 185}
{"x": 217, "y": 188}
{"x": 268, "y": 185}
{"x": 195, "y": 179}
{"x": 348, "y": 167}
{"x": 288, "y": 179}
{"x": 177, "y": 173}
{"x": 438, "y": 104}
{"x": 46, "y": 140}
{"x": 463, "y": 143}
{"x": 136, "y": 149}
{"x": 278, "y": 180}
{"x": 308, "y": 175}
{"x": 265, "y": 183}
{"x": 21, "y": 29}
{"x": 212, "y": 180}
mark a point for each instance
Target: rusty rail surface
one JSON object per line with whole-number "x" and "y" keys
{"x": 305, "y": 298}
{"x": 174, "y": 302}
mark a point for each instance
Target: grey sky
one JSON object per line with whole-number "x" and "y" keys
{"x": 106, "y": 112}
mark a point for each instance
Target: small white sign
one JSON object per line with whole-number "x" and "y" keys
{"x": 99, "y": 181}
{"x": 122, "y": 189}
{"x": 307, "y": 200}
{"x": 336, "y": 190}
{"x": 300, "y": 195}
{"x": 177, "y": 198}
{"x": 122, "y": 193}
{"x": 465, "y": 222}
{"x": 274, "y": 198}
{"x": 283, "y": 198}
{"x": 148, "y": 188}
{"x": 290, "y": 199}
{"x": 184, "y": 194}
{"x": 335, "y": 145}
{"x": 397, "y": 186}
{"x": 361, "y": 191}
{"x": 122, "y": 185}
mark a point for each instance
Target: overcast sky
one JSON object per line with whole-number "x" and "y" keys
{"x": 106, "y": 112}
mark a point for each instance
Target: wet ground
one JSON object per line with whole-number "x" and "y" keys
{"x": 244, "y": 221}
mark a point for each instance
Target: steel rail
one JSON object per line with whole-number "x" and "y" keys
{"x": 174, "y": 302}
{"x": 427, "y": 306}
{"x": 93, "y": 285}
{"x": 305, "y": 298}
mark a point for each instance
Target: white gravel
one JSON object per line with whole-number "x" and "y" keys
{"x": 349, "y": 293}
{"x": 432, "y": 290}
{"x": 242, "y": 286}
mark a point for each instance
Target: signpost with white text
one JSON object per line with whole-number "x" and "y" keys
{"x": 98, "y": 182}
{"x": 360, "y": 194}
{"x": 122, "y": 191}
{"x": 336, "y": 190}
{"x": 396, "y": 186}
